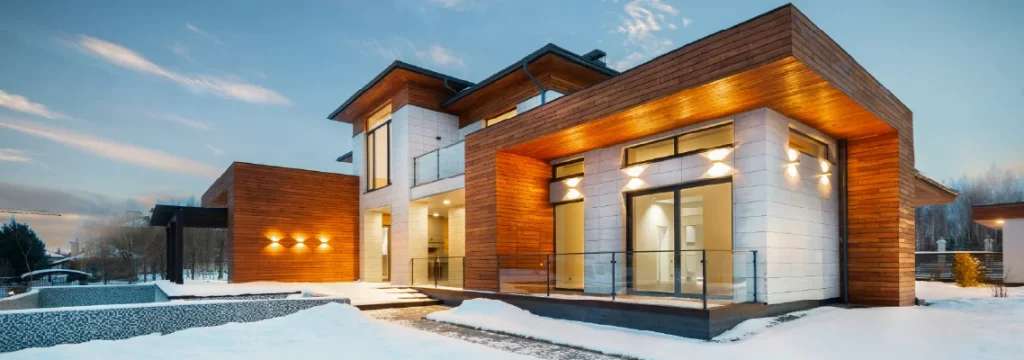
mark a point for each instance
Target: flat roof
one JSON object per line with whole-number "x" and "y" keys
{"x": 993, "y": 215}
{"x": 190, "y": 216}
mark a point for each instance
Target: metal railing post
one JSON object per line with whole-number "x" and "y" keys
{"x": 438, "y": 163}
{"x": 613, "y": 276}
{"x": 547, "y": 271}
{"x": 463, "y": 273}
{"x": 497, "y": 268}
{"x": 704, "y": 272}
{"x": 437, "y": 270}
{"x": 755, "y": 275}
{"x": 412, "y": 272}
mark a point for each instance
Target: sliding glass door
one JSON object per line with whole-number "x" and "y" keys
{"x": 669, "y": 231}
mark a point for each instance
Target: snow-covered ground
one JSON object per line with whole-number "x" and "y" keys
{"x": 960, "y": 324}
{"x": 332, "y": 331}
{"x": 360, "y": 293}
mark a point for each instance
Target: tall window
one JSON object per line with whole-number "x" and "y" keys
{"x": 378, "y": 149}
{"x": 685, "y": 144}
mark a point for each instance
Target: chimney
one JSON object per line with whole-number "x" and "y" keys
{"x": 596, "y": 56}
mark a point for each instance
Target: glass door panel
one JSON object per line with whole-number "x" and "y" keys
{"x": 569, "y": 243}
{"x": 654, "y": 224}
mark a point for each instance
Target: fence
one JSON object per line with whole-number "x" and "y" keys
{"x": 934, "y": 265}
{"x": 715, "y": 276}
{"x": 441, "y": 271}
{"x": 441, "y": 163}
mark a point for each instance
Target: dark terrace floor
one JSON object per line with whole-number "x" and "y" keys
{"x": 414, "y": 317}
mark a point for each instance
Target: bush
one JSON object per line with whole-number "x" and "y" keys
{"x": 967, "y": 270}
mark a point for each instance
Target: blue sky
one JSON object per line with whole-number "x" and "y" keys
{"x": 109, "y": 105}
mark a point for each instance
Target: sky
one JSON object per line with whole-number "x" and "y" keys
{"x": 108, "y": 106}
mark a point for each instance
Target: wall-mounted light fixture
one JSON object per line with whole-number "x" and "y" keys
{"x": 573, "y": 182}
{"x": 718, "y": 154}
{"x": 446, "y": 202}
{"x": 323, "y": 239}
{"x": 436, "y": 214}
{"x": 825, "y": 166}
{"x": 573, "y": 194}
{"x": 794, "y": 161}
{"x": 635, "y": 170}
{"x": 718, "y": 168}
{"x": 300, "y": 239}
{"x": 275, "y": 238}
{"x": 999, "y": 221}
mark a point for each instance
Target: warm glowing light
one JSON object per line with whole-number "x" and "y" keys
{"x": 719, "y": 169}
{"x": 719, "y": 154}
{"x": 275, "y": 238}
{"x": 299, "y": 239}
{"x": 825, "y": 180}
{"x": 793, "y": 154}
{"x": 323, "y": 239}
{"x": 634, "y": 183}
{"x": 825, "y": 165}
{"x": 791, "y": 170}
{"x": 436, "y": 214}
{"x": 636, "y": 170}
{"x": 572, "y": 182}
{"x": 573, "y": 194}
{"x": 446, "y": 202}
{"x": 999, "y": 221}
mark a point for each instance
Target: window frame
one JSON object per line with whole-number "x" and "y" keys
{"x": 371, "y": 176}
{"x": 554, "y": 170}
{"x": 675, "y": 146}
{"x": 828, "y": 149}
{"x": 487, "y": 121}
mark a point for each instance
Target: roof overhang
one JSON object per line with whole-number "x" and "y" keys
{"x": 995, "y": 215}
{"x": 562, "y": 58}
{"x": 931, "y": 192}
{"x": 189, "y": 216}
{"x": 386, "y": 83}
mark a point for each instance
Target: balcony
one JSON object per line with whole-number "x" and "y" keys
{"x": 440, "y": 164}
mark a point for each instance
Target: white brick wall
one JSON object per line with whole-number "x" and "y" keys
{"x": 791, "y": 222}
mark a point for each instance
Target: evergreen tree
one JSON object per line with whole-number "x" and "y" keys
{"x": 21, "y": 251}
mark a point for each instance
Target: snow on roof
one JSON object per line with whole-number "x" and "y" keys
{"x": 49, "y": 271}
{"x": 69, "y": 258}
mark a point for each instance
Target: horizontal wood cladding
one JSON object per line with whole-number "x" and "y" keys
{"x": 516, "y": 199}
{"x": 998, "y": 211}
{"x": 290, "y": 204}
{"x": 400, "y": 87}
{"x": 778, "y": 60}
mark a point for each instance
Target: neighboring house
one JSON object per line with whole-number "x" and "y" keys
{"x": 763, "y": 137}
{"x": 1010, "y": 218}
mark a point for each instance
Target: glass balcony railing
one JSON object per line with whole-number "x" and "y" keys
{"x": 440, "y": 164}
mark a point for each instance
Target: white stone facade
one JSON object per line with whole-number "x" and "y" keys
{"x": 791, "y": 220}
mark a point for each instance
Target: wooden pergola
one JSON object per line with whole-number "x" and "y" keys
{"x": 175, "y": 219}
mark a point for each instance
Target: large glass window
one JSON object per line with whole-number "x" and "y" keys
{"x": 685, "y": 144}
{"x": 671, "y": 232}
{"x": 569, "y": 245}
{"x": 378, "y": 149}
{"x": 803, "y": 143}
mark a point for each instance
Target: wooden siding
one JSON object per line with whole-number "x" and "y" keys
{"x": 400, "y": 87}
{"x": 267, "y": 201}
{"x": 778, "y": 60}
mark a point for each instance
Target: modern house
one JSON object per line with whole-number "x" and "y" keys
{"x": 1010, "y": 218}
{"x": 760, "y": 164}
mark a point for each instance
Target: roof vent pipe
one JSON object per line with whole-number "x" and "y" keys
{"x": 543, "y": 91}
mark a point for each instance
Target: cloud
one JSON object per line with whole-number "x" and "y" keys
{"x": 232, "y": 89}
{"x": 23, "y": 104}
{"x": 125, "y": 153}
{"x": 438, "y": 55}
{"x": 458, "y": 5}
{"x": 642, "y": 23}
{"x": 14, "y": 155}
{"x": 75, "y": 206}
{"x": 202, "y": 32}
{"x": 197, "y": 125}
{"x": 215, "y": 150}
{"x": 182, "y": 51}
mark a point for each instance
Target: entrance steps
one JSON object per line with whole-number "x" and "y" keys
{"x": 407, "y": 297}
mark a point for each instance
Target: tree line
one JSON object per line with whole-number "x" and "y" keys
{"x": 953, "y": 222}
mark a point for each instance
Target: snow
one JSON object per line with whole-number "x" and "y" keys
{"x": 934, "y": 290}
{"x": 57, "y": 271}
{"x": 328, "y": 331}
{"x": 961, "y": 324}
{"x": 360, "y": 293}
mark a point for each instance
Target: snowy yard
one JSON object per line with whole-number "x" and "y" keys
{"x": 960, "y": 324}
{"x": 331, "y": 331}
{"x": 360, "y": 293}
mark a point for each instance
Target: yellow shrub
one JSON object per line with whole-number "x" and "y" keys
{"x": 966, "y": 270}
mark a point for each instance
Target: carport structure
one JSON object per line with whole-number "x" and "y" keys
{"x": 175, "y": 219}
